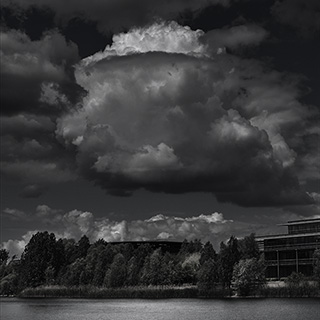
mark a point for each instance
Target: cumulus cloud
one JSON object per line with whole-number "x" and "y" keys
{"x": 163, "y": 36}
{"x": 213, "y": 227}
{"x": 163, "y": 111}
{"x": 73, "y": 224}
{"x": 115, "y": 15}
{"x": 41, "y": 71}
{"x": 234, "y": 37}
{"x": 167, "y": 114}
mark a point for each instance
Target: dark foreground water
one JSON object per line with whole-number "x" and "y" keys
{"x": 193, "y": 309}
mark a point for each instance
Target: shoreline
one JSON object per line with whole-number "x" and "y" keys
{"x": 156, "y": 293}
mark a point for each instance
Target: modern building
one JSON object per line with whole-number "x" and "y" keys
{"x": 291, "y": 252}
{"x": 166, "y": 246}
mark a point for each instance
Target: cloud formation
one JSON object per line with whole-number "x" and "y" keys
{"x": 169, "y": 114}
{"x": 75, "y": 223}
{"x": 40, "y": 71}
{"x": 213, "y": 227}
{"x": 31, "y": 156}
{"x": 113, "y": 15}
{"x": 164, "y": 108}
{"x": 238, "y": 36}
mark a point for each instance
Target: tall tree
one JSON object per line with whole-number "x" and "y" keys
{"x": 133, "y": 277}
{"x": 249, "y": 275}
{"x": 103, "y": 261}
{"x": 74, "y": 273}
{"x": 207, "y": 253}
{"x": 248, "y": 247}
{"x": 208, "y": 276}
{"x": 229, "y": 255}
{"x": 83, "y": 246}
{"x": 152, "y": 269}
{"x": 39, "y": 254}
{"x": 118, "y": 271}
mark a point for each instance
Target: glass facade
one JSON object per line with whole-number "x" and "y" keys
{"x": 293, "y": 252}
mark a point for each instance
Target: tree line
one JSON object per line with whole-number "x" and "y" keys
{"x": 65, "y": 262}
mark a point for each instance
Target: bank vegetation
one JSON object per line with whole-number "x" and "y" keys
{"x": 66, "y": 268}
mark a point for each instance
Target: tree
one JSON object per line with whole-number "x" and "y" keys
{"x": 49, "y": 275}
{"x": 83, "y": 246}
{"x": 228, "y": 257}
{"x": 188, "y": 248}
{"x": 74, "y": 272}
{"x": 152, "y": 269}
{"x": 39, "y": 254}
{"x": 103, "y": 260}
{"x": 70, "y": 250}
{"x": 207, "y": 253}
{"x": 91, "y": 262}
{"x": 127, "y": 251}
{"x": 4, "y": 256}
{"x": 190, "y": 268}
{"x": 118, "y": 271}
{"x": 208, "y": 276}
{"x": 248, "y": 276}
{"x": 248, "y": 247}
{"x": 9, "y": 284}
{"x": 316, "y": 266}
{"x": 133, "y": 272}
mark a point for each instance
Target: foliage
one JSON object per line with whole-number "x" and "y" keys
{"x": 118, "y": 271}
{"x": 208, "y": 276}
{"x": 40, "y": 253}
{"x": 316, "y": 266}
{"x": 207, "y": 253}
{"x": 248, "y": 276}
{"x": 295, "y": 279}
{"x": 228, "y": 257}
{"x": 137, "y": 292}
{"x": 9, "y": 284}
{"x": 248, "y": 247}
{"x": 69, "y": 268}
{"x": 4, "y": 256}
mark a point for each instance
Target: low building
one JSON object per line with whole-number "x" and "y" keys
{"x": 291, "y": 252}
{"x": 166, "y": 246}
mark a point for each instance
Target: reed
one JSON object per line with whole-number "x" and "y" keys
{"x": 154, "y": 292}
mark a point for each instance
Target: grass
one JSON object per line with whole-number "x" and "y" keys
{"x": 155, "y": 292}
{"x": 163, "y": 292}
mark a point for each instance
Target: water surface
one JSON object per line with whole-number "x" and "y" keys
{"x": 173, "y": 309}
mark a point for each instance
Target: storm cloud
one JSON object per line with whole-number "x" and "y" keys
{"x": 170, "y": 111}
{"x": 37, "y": 76}
{"x": 113, "y": 15}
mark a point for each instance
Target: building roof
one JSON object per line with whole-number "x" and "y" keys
{"x": 284, "y": 236}
{"x": 298, "y": 222}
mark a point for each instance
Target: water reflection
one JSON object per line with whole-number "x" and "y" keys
{"x": 184, "y": 309}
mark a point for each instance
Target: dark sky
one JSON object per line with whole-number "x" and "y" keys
{"x": 146, "y": 119}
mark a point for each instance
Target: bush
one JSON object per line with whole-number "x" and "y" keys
{"x": 249, "y": 276}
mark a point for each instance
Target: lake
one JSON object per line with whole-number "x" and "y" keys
{"x": 173, "y": 309}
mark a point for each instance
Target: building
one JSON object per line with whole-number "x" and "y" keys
{"x": 166, "y": 246}
{"x": 291, "y": 252}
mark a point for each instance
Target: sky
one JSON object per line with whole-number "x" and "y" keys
{"x": 146, "y": 119}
